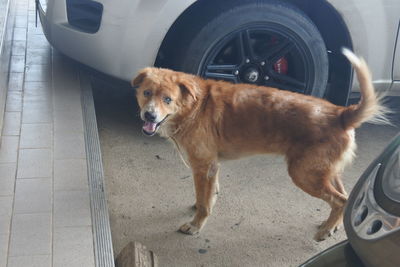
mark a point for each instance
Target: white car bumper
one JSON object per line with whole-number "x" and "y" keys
{"x": 128, "y": 39}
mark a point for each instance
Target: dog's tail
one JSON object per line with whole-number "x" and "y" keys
{"x": 370, "y": 107}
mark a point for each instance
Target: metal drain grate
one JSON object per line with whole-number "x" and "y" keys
{"x": 104, "y": 255}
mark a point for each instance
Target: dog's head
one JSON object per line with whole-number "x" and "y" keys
{"x": 161, "y": 95}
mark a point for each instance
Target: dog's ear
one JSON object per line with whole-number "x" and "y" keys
{"x": 140, "y": 77}
{"x": 188, "y": 88}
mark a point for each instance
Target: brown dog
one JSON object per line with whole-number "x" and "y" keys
{"x": 210, "y": 121}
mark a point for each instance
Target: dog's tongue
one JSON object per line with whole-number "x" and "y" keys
{"x": 149, "y": 127}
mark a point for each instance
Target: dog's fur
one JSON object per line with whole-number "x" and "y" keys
{"x": 212, "y": 121}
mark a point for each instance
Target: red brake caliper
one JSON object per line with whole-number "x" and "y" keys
{"x": 281, "y": 65}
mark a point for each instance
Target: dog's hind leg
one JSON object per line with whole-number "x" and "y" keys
{"x": 318, "y": 184}
{"x": 338, "y": 184}
{"x": 337, "y": 202}
{"x": 206, "y": 184}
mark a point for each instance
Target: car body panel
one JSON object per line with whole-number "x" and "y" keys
{"x": 369, "y": 245}
{"x": 380, "y": 247}
{"x": 115, "y": 49}
{"x": 373, "y": 26}
{"x": 341, "y": 254}
{"x": 396, "y": 65}
{"x": 131, "y": 33}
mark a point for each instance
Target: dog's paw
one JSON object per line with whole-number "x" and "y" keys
{"x": 323, "y": 234}
{"x": 323, "y": 225}
{"x": 189, "y": 229}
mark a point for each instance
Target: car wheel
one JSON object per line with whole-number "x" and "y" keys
{"x": 270, "y": 43}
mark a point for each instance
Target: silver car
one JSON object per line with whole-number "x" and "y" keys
{"x": 289, "y": 44}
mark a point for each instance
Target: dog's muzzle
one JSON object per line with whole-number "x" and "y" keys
{"x": 150, "y": 125}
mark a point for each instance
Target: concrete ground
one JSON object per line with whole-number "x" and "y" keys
{"x": 260, "y": 219}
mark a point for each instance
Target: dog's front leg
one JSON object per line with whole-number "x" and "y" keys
{"x": 206, "y": 183}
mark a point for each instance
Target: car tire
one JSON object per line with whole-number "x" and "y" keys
{"x": 208, "y": 33}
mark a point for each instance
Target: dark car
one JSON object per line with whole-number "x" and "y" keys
{"x": 372, "y": 217}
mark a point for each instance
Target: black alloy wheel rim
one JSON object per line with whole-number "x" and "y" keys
{"x": 251, "y": 54}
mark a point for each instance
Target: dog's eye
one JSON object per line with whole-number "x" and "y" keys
{"x": 167, "y": 99}
{"x": 147, "y": 93}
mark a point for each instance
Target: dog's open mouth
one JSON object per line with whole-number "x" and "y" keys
{"x": 150, "y": 128}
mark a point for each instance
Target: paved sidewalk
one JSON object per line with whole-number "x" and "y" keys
{"x": 45, "y": 217}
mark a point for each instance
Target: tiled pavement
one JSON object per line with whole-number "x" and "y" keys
{"x": 45, "y": 217}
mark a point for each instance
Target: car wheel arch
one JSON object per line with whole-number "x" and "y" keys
{"x": 320, "y": 12}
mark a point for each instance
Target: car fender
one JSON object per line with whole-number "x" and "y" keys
{"x": 143, "y": 43}
{"x": 373, "y": 29}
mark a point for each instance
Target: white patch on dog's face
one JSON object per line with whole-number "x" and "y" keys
{"x": 151, "y": 108}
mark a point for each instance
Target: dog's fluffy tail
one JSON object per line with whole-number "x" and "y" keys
{"x": 370, "y": 107}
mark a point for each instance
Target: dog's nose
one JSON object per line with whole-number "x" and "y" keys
{"x": 149, "y": 116}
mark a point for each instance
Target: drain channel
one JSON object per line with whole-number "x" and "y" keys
{"x": 104, "y": 255}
